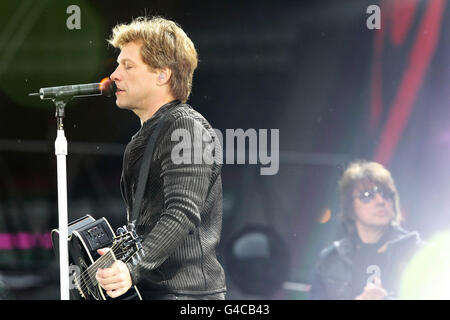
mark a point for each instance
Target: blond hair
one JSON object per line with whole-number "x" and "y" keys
{"x": 362, "y": 172}
{"x": 164, "y": 45}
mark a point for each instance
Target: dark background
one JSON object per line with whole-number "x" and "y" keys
{"x": 308, "y": 68}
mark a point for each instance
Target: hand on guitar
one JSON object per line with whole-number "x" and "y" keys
{"x": 116, "y": 280}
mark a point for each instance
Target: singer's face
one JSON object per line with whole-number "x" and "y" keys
{"x": 134, "y": 80}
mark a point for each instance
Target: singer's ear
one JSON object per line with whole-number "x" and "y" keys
{"x": 163, "y": 76}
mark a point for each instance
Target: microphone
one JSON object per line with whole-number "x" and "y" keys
{"x": 106, "y": 87}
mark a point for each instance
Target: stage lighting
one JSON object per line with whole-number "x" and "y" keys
{"x": 426, "y": 276}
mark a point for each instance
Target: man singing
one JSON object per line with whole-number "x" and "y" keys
{"x": 181, "y": 212}
{"x": 367, "y": 264}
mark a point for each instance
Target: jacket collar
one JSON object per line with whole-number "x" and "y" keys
{"x": 150, "y": 123}
{"x": 162, "y": 110}
{"x": 394, "y": 235}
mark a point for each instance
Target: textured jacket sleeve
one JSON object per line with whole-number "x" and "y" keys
{"x": 185, "y": 187}
{"x": 318, "y": 290}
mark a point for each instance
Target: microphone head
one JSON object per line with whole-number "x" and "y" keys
{"x": 108, "y": 87}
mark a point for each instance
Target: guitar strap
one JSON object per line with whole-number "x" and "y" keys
{"x": 144, "y": 171}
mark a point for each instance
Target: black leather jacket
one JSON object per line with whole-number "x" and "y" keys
{"x": 333, "y": 274}
{"x": 181, "y": 213}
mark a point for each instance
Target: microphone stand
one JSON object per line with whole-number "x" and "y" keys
{"x": 60, "y": 96}
{"x": 61, "y": 153}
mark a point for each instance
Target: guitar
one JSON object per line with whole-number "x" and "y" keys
{"x": 86, "y": 235}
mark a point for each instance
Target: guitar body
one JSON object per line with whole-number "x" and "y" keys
{"x": 86, "y": 235}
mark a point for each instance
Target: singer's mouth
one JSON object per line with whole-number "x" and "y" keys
{"x": 118, "y": 90}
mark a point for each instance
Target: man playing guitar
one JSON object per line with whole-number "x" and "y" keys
{"x": 181, "y": 212}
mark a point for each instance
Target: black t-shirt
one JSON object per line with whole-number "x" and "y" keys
{"x": 367, "y": 264}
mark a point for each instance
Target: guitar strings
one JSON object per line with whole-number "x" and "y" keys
{"x": 101, "y": 262}
{"x": 89, "y": 273}
{"x": 84, "y": 284}
{"x": 91, "y": 270}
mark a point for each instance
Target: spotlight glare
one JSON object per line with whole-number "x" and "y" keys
{"x": 427, "y": 275}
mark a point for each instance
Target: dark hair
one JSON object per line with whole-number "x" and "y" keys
{"x": 361, "y": 172}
